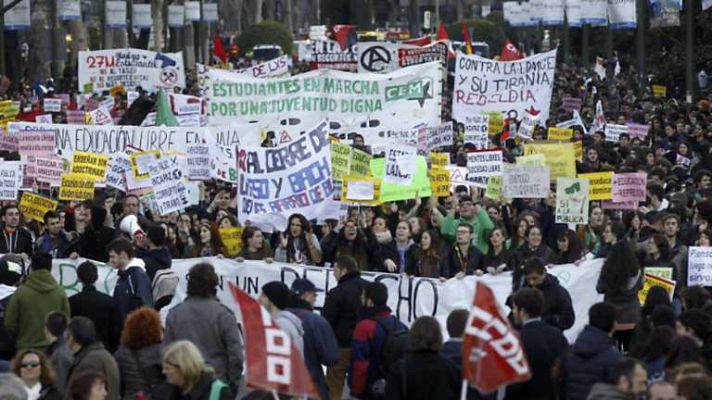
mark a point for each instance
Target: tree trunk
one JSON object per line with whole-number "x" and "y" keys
{"x": 258, "y": 11}
{"x": 157, "y": 16}
{"x": 288, "y": 16}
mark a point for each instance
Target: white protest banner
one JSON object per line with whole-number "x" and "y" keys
{"x": 483, "y": 164}
{"x": 69, "y": 10}
{"x": 573, "y": 13}
{"x": 176, "y": 16}
{"x": 119, "y": 165}
{"x": 409, "y": 94}
{"x": 100, "y": 116}
{"x": 292, "y": 178}
{"x": 683, "y": 161}
{"x": 621, "y": 14}
{"x": 699, "y": 266}
{"x": 50, "y": 105}
{"x": 198, "y": 162}
{"x": 629, "y": 187}
{"x": 575, "y": 121}
{"x": 414, "y": 55}
{"x": 115, "y": 13}
{"x": 111, "y": 139}
{"x": 509, "y": 87}
{"x": 439, "y": 136}
{"x": 378, "y": 57}
{"x": 10, "y": 179}
{"x": 525, "y": 181}
{"x": 613, "y": 132}
{"x": 400, "y": 165}
{"x": 477, "y": 130}
{"x": 328, "y": 54}
{"x": 167, "y": 181}
{"x": 639, "y": 131}
{"x": 18, "y": 17}
{"x": 594, "y": 12}
{"x": 409, "y": 297}
{"x": 141, "y": 16}
{"x": 270, "y": 69}
{"x": 551, "y": 12}
{"x": 101, "y": 70}
{"x": 192, "y": 11}
{"x": 49, "y": 170}
{"x": 572, "y": 201}
{"x": 223, "y": 163}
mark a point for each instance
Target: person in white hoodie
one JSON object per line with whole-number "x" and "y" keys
{"x": 133, "y": 289}
{"x": 275, "y": 297}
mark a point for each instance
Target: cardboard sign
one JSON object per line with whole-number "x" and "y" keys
{"x": 494, "y": 188}
{"x": 439, "y": 160}
{"x": 400, "y": 166}
{"x": 600, "y": 185}
{"x": 571, "y": 201}
{"x": 483, "y": 164}
{"x": 49, "y": 170}
{"x": 86, "y": 163}
{"x": 360, "y": 190}
{"x": 613, "y": 132}
{"x": 232, "y": 239}
{"x": 440, "y": 182}
{"x": 35, "y": 206}
{"x": 10, "y": 179}
{"x": 477, "y": 130}
{"x": 390, "y": 192}
{"x": 650, "y": 281}
{"x": 659, "y": 91}
{"x": 560, "y": 157}
{"x": 629, "y": 187}
{"x": 699, "y": 266}
{"x": 166, "y": 174}
{"x": 340, "y": 159}
{"x": 639, "y": 131}
{"x": 560, "y": 133}
{"x": 525, "y": 181}
{"x": 77, "y": 187}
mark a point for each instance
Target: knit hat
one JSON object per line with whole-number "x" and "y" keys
{"x": 277, "y": 293}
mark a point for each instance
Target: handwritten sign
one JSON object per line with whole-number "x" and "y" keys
{"x": 483, "y": 164}
{"x": 85, "y": 163}
{"x": 571, "y": 201}
{"x": 494, "y": 188}
{"x": 360, "y": 163}
{"x": 116, "y": 171}
{"x": 198, "y": 162}
{"x": 659, "y": 91}
{"x": 639, "y": 131}
{"x": 477, "y": 130}
{"x": 166, "y": 174}
{"x": 232, "y": 239}
{"x": 10, "y": 179}
{"x": 629, "y": 187}
{"x": 440, "y": 182}
{"x": 650, "y": 281}
{"x": 600, "y": 185}
{"x": 525, "y": 181}
{"x": 699, "y": 266}
{"x": 49, "y": 170}
{"x": 52, "y": 105}
{"x": 35, "y": 206}
{"x": 36, "y": 143}
{"x": 560, "y": 157}
{"x": 560, "y": 133}
{"x": 571, "y": 103}
{"x": 613, "y": 132}
{"x": 439, "y": 160}
{"x": 340, "y": 159}
{"x": 360, "y": 190}
{"x": 77, "y": 187}
{"x": 400, "y": 166}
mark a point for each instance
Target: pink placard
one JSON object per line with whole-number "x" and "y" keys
{"x": 638, "y": 131}
{"x": 9, "y": 142}
{"x": 38, "y": 143}
{"x": 571, "y": 103}
{"x": 629, "y": 187}
{"x": 49, "y": 170}
{"x": 626, "y": 205}
{"x": 75, "y": 117}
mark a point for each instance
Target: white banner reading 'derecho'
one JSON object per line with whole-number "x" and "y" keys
{"x": 101, "y": 70}
{"x": 409, "y": 94}
{"x": 408, "y": 297}
{"x": 510, "y": 87}
{"x": 274, "y": 183}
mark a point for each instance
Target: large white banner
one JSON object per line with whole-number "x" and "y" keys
{"x": 621, "y": 14}
{"x": 101, "y": 70}
{"x": 409, "y": 297}
{"x": 18, "y": 17}
{"x": 573, "y": 13}
{"x": 411, "y": 95}
{"x": 270, "y": 69}
{"x": 483, "y": 85}
{"x": 594, "y": 12}
{"x": 274, "y": 183}
{"x": 552, "y": 12}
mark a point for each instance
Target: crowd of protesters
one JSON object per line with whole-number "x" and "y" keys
{"x": 94, "y": 346}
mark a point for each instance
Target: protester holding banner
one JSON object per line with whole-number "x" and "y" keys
{"x": 298, "y": 243}
{"x": 209, "y": 242}
{"x": 254, "y": 246}
{"x": 424, "y": 258}
{"x": 463, "y": 257}
{"x": 352, "y": 241}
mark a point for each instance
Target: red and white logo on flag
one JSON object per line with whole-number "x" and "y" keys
{"x": 273, "y": 363}
{"x": 492, "y": 355}
{"x": 510, "y": 52}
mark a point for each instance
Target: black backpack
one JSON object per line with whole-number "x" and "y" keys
{"x": 395, "y": 344}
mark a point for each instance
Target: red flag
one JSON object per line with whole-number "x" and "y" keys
{"x": 273, "y": 363}
{"x": 492, "y": 355}
{"x": 510, "y": 52}
{"x": 466, "y": 37}
{"x": 218, "y": 48}
{"x": 442, "y": 33}
{"x": 342, "y": 33}
{"x": 421, "y": 41}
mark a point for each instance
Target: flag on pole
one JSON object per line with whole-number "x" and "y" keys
{"x": 164, "y": 115}
{"x": 466, "y": 37}
{"x": 273, "y": 363}
{"x": 599, "y": 121}
{"x": 510, "y": 52}
{"x": 218, "y": 49}
{"x": 492, "y": 354}
{"x": 442, "y": 32}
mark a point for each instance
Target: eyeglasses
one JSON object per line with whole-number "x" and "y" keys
{"x": 30, "y": 364}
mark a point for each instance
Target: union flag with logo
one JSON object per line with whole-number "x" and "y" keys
{"x": 273, "y": 362}
{"x": 492, "y": 354}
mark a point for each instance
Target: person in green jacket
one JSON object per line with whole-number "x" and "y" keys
{"x": 31, "y": 302}
{"x": 470, "y": 213}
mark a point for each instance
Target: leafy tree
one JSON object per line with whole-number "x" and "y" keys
{"x": 265, "y": 32}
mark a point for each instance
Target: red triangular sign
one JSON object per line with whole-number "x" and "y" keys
{"x": 284, "y": 137}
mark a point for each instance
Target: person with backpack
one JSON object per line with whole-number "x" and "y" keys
{"x": 133, "y": 288}
{"x": 379, "y": 342}
{"x": 274, "y": 297}
{"x": 320, "y": 345}
{"x": 157, "y": 259}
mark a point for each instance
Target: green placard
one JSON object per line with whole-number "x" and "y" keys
{"x": 392, "y": 192}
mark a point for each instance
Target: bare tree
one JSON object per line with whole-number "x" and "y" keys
{"x": 258, "y": 10}
{"x": 157, "y": 7}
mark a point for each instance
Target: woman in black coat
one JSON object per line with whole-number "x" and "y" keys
{"x": 139, "y": 356}
{"x": 424, "y": 373}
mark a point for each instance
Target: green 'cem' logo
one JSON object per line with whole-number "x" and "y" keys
{"x": 418, "y": 90}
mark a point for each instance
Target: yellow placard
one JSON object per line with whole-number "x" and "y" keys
{"x": 134, "y": 163}
{"x": 533, "y": 160}
{"x": 578, "y": 150}
{"x": 439, "y": 160}
{"x": 360, "y": 163}
{"x": 232, "y": 239}
{"x": 494, "y": 188}
{"x": 86, "y": 163}
{"x": 440, "y": 182}
{"x": 496, "y": 123}
{"x": 346, "y": 180}
{"x": 77, "y": 187}
{"x": 659, "y": 91}
{"x": 35, "y": 206}
{"x": 340, "y": 159}
{"x": 650, "y": 281}
{"x": 600, "y": 185}
{"x": 560, "y": 157}
{"x": 560, "y": 133}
